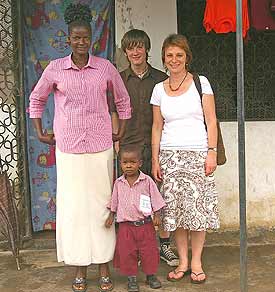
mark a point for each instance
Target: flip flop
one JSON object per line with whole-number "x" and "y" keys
{"x": 197, "y": 281}
{"x": 172, "y": 279}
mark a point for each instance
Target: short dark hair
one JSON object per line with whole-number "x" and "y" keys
{"x": 133, "y": 38}
{"x": 177, "y": 40}
{"x": 130, "y": 149}
{"x": 78, "y": 15}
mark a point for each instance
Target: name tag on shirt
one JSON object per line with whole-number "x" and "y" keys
{"x": 145, "y": 204}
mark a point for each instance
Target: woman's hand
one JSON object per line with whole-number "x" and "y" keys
{"x": 156, "y": 172}
{"x": 156, "y": 219}
{"x": 44, "y": 137}
{"x": 47, "y": 139}
{"x": 210, "y": 162}
{"x": 120, "y": 131}
{"x": 109, "y": 221}
{"x": 116, "y": 137}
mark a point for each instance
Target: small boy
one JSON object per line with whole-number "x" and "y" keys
{"x": 135, "y": 198}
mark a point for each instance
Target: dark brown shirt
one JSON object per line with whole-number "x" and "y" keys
{"x": 139, "y": 127}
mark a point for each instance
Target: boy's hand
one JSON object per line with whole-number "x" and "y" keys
{"x": 156, "y": 219}
{"x": 109, "y": 221}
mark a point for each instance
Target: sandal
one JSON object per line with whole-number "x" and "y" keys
{"x": 153, "y": 282}
{"x": 105, "y": 284}
{"x": 132, "y": 284}
{"x": 79, "y": 285}
{"x": 197, "y": 281}
{"x": 173, "y": 279}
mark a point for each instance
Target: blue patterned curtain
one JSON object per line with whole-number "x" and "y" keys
{"x": 45, "y": 35}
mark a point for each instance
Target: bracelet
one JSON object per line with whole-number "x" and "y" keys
{"x": 212, "y": 149}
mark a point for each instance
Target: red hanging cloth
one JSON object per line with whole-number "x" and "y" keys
{"x": 220, "y": 15}
{"x": 263, "y": 14}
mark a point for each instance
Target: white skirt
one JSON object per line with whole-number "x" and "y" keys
{"x": 83, "y": 191}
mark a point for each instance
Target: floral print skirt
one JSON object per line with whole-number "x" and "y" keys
{"x": 190, "y": 196}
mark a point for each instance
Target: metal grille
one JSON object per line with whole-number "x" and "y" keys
{"x": 215, "y": 57}
{"x": 12, "y": 121}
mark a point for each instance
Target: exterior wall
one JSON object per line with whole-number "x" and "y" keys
{"x": 260, "y": 176}
{"x": 152, "y": 16}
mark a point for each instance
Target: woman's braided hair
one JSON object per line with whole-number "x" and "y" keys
{"x": 78, "y": 15}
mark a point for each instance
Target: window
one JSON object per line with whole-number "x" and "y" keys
{"x": 214, "y": 55}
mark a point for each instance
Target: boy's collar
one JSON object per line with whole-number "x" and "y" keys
{"x": 141, "y": 176}
{"x": 129, "y": 71}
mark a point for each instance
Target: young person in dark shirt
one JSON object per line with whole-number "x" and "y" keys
{"x": 140, "y": 78}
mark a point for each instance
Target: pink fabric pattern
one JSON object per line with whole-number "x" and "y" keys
{"x": 82, "y": 123}
{"x": 126, "y": 200}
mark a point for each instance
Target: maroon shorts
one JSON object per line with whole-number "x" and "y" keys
{"x": 133, "y": 241}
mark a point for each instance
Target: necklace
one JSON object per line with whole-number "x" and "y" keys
{"x": 175, "y": 89}
{"x": 140, "y": 75}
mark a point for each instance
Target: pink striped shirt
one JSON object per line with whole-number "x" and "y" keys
{"x": 130, "y": 203}
{"x": 82, "y": 123}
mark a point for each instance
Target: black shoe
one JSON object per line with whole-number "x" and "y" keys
{"x": 153, "y": 282}
{"x": 132, "y": 284}
{"x": 166, "y": 254}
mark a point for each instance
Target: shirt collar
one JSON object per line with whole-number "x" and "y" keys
{"x": 142, "y": 176}
{"x": 69, "y": 64}
{"x": 129, "y": 72}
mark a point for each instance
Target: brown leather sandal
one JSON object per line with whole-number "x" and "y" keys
{"x": 105, "y": 284}
{"x": 79, "y": 285}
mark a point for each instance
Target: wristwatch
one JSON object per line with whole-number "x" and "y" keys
{"x": 212, "y": 149}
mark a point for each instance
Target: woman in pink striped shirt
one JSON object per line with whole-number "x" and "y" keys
{"x": 84, "y": 147}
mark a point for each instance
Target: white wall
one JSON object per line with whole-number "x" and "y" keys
{"x": 260, "y": 175}
{"x": 157, "y": 17}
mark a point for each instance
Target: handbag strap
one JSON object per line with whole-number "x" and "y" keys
{"x": 197, "y": 82}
